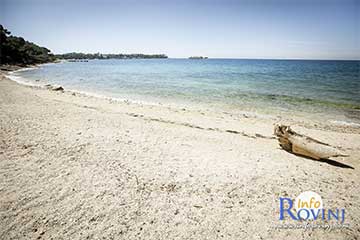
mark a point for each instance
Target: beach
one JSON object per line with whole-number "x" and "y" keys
{"x": 75, "y": 166}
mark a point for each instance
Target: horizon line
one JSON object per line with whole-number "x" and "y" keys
{"x": 209, "y": 58}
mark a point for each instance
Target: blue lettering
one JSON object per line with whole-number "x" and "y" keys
{"x": 307, "y": 214}
{"x": 315, "y": 216}
{"x": 331, "y": 213}
{"x": 342, "y": 215}
{"x": 288, "y": 210}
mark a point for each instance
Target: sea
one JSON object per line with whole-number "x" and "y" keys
{"x": 327, "y": 90}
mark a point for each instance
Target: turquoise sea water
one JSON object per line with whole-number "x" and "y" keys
{"x": 291, "y": 86}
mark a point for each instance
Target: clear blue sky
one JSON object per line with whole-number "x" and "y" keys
{"x": 311, "y": 29}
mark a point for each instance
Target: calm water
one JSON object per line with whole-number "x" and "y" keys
{"x": 318, "y": 87}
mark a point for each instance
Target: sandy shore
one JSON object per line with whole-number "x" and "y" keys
{"x": 78, "y": 167}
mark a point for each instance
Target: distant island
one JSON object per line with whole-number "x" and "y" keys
{"x": 198, "y": 57}
{"x": 75, "y": 55}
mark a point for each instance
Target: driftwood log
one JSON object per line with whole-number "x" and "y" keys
{"x": 303, "y": 145}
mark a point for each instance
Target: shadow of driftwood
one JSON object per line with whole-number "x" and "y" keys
{"x": 328, "y": 161}
{"x": 336, "y": 163}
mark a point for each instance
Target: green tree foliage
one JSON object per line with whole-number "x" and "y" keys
{"x": 108, "y": 56}
{"x": 16, "y": 50}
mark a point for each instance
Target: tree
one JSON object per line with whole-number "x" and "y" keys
{"x": 16, "y": 50}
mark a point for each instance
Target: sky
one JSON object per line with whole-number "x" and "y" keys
{"x": 290, "y": 29}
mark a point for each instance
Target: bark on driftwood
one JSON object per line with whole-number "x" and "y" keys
{"x": 303, "y": 145}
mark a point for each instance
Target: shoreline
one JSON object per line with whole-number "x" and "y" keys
{"x": 281, "y": 116}
{"x": 79, "y": 92}
{"x": 78, "y": 166}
